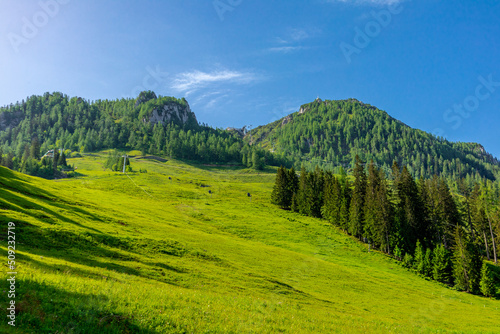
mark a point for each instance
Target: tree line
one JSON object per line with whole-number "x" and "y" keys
{"x": 332, "y": 133}
{"x": 422, "y": 223}
{"x": 57, "y": 121}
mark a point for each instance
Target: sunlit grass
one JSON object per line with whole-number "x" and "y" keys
{"x": 111, "y": 253}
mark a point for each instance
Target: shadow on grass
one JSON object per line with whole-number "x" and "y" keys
{"x": 11, "y": 201}
{"x": 83, "y": 249}
{"x": 41, "y": 308}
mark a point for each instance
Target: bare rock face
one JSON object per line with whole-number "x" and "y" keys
{"x": 239, "y": 131}
{"x": 10, "y": 119}
{"x": 164, "y": 110}
{"x": 172, "y": 112}
{"x": 286, "y": 120}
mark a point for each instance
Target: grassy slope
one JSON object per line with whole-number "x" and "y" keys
{"x": 99, "y": 255}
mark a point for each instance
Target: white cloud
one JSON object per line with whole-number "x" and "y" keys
{"x": 189, "y": 82}
{"x": 285, "y": 49}
{"x": 298, "y": 34}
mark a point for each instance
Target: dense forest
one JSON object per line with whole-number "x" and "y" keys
{"x": 328, "y": 134}
{"x": 75, "y": 125}
{"x": 332, "y": 133}
{"x": 438, "y": 233}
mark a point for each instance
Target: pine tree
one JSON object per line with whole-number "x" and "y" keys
{"x": 331, "y": 199}
{"x": 301, "y": 198}
{"x": 345, "y": 200}
{"x": 293, "y": 182}
{"x": 460, "y": 261}
{"x": 474, "y": 266}
{"x": 441, "y": 264}
{"x": 356, "y": 210}
{"x": 428, "y": 263}
{"x": 371, "y": 204}
{"x": 409, "y": 211}
{"x": 294, "y": 206}
{"x": 419, "y": 257}
{"x": 281, "y": 190}
{"x": 487, "y": 283}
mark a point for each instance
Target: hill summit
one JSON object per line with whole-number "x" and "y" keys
{"x": 331, "y": 133}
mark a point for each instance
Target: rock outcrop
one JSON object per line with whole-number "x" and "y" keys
{"x": 10, "y": 119}
{"x": 172, "y": 112}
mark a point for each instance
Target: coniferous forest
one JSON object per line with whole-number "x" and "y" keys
{"x": 331, "y": 133}
{"x": 28, "y": 129}
{"x": 439, "y": 233}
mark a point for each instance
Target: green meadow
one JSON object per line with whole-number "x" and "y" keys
{"x": 155, "y": 252}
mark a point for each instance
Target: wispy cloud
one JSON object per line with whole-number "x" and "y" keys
{"x": 211, "y": 89}
{"x": 189, "y": 82}
{"x": 291, "y": 40}
{"x": 285, "y": 49}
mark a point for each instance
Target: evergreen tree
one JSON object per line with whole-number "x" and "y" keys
{"x": 428, "y": 263}
{"x": 345, "y": 200}
{"x": 293, "y": 182}
{"x": 281, "y": 191}
{"x": 467, "y": 263}
{"x": 371, "y": 204}
{"x": 474, "y": 266}
{"x": 409, "y": 211}
{"x": 301, "y": 198}
{"x": 331, "y": 199}
{"x": 487, "y": 284}
{"x": 441, "y": 264}
{"x": 356, "y": 210}
{"x": 419, "y": 258}
{"x": 460, "y": 262}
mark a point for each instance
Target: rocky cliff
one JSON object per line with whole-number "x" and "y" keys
{"x": 165, "y": 110}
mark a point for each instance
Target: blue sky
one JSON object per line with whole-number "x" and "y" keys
{"x": 432, "y": 64}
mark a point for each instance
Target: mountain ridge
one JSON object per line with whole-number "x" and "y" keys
{"x": 325, "y": 133}
{"x": 331, "y": 132}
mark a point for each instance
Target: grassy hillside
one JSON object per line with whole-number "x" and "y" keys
{"x": 111, "y": 253}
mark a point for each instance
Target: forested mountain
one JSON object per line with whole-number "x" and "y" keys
{"x": 332, "y": 133}
{"x": 152, "y": 124}
{"x": 323, "y": 133}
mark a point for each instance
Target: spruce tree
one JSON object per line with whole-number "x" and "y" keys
{"x": 460, "y": 261}
{"x": 428, "y": 263}
{"x": 280, "y": 195}
{"x": 487, "y": 284}
{"x": 371, "y": 204}
{"x": 301, "y": 198}
{"x": 474, "y": 266}
{"x": 385, "y": 221}
{"x": 331, "y": 199}
{"x": 419, "y": 257}
{"x": 293, "y": 182}
{"x": 441, "y": 264}
{"x": 345, "y": 200}
{"x": 356, "y": 210}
